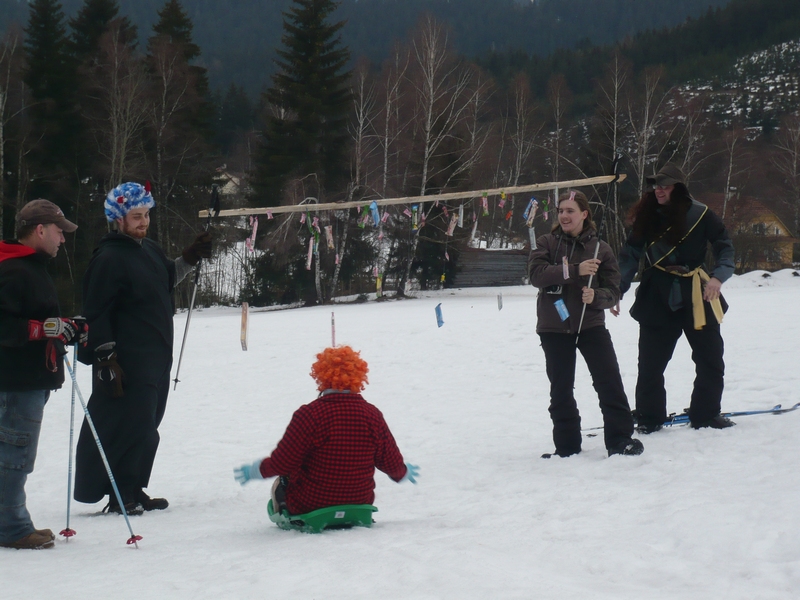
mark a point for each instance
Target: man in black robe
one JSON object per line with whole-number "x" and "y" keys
{"x": 128, "y": 302}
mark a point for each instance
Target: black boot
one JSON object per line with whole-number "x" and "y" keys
{"x": 149, "y": 503}
{"x": 133, "y": 508}
{"x": 718, "y": 422}
{"x": 629, "y": 447}
{"x": 561, "y": 453}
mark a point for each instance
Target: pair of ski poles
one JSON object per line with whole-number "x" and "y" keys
{"x": 67, "y": 532}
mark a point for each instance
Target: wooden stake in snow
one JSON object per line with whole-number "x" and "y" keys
{"x": 243, "y": 334}
{"x": 333, "y": 331}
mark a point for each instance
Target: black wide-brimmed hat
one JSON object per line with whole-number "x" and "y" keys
{"x": 669, "y": 174}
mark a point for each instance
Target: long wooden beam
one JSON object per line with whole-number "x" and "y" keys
{"x": 522, "y": 189}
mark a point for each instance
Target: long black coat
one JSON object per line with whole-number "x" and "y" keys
{"x": 127, "y": 299}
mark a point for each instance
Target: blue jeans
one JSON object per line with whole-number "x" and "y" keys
{"x": 20, "y": 423}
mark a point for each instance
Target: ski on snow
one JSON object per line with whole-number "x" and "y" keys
{"x": 775, "y": 410}
{"x": 683, "y": 418}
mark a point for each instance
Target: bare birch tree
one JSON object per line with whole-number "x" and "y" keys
{"x": 559, "y": 97}
{"x": 394, "y": 76}
{"x": 787, "y": 162}
{"x": 9, "y": 53}
{"x": 172, "y": 96}
{"x": 118, "y": 89}
{"x": 442, "y": 88}
{"x": 734, "y": 140}
{"x": 362, "y": 91}
{"x": 645, "y": 116}
{"x": 611, "y": 111}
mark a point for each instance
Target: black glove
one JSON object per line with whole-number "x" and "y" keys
{"x": 201, "y": 247}
{"x": 82, "y": 328}
{"x": 109, "y": 372}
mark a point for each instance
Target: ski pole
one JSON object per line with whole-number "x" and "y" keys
{"x": 67, "y": 532}
{"x": 212, "y": 209}
{"x": 583, "y": 310}
{"x": 134, "y": 538}
{"x": 615, "y": 171}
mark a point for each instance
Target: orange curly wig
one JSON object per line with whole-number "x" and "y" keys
{"x": 340, "y": 368}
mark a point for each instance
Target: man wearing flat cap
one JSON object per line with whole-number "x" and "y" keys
{"x": 678, "y": 295}
{"x": 128, "y": 302}
{"x": 33, "y": 337}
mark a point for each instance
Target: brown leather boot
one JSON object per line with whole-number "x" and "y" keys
{"x": 32, "y": 541}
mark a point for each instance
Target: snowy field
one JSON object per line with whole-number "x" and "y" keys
{"x": 701, "y": 514}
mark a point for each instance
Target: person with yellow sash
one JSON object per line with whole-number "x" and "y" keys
{"x": 677, "y": 295}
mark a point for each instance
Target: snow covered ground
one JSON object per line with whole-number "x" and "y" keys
{"x": 701, "y": 514}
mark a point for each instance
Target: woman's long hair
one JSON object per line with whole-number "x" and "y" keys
{"x": 649, "y": 220}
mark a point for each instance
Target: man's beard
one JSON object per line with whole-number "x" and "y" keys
{"x": 134, "y": 232}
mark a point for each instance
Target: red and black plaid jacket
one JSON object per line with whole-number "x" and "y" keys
{"x": 329, "y": 453}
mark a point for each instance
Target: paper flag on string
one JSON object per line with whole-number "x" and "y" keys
{"x": 439, "y": 319}
{"x": 376, "y": 214}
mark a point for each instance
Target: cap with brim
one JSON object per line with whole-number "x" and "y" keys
{"x": 44, "y": 212}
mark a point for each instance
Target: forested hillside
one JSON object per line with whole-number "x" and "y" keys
{"x": 89, "y": 99}
{"x": 703, "y": 48}
{"x": 238, "y": 39}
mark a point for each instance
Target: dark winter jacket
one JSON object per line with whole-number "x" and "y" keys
{"x": 26, "y": 292}
{"x": 127, "y": 299}
{"x": 330, "y": 451}
{"x": 546, "y": 271}
{"x": 661, "y": 296}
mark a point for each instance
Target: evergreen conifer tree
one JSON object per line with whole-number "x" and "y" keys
{"x": 91, "y": 22}
{"x": 50, "y": 75}
{"x": 307, "y": 129}
{"x": 175, "y": 27}
{"x": 174, "y": 23}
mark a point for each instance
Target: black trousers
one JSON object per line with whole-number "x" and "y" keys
{"x": 656, "y": 345}
{"x": 598, "y": 351}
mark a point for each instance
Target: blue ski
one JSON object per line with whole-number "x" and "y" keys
{"x": 775, "y": 410}
{"x": 683, "y": 418}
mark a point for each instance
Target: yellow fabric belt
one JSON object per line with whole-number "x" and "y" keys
{"x": 698, "y": 310}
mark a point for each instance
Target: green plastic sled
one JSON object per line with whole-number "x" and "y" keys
{"x": 343, "y": 516}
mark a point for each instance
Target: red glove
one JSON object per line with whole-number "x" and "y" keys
{"x": 55, "y": 328}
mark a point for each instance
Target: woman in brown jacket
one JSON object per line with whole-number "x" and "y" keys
{"x": 561, "y": 267}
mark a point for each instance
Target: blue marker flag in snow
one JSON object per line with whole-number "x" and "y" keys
{"x": 439, "y": 319}
{"x": 376, "y": 215}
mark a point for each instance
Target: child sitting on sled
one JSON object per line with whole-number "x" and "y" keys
{"x": 332, "y": 445}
